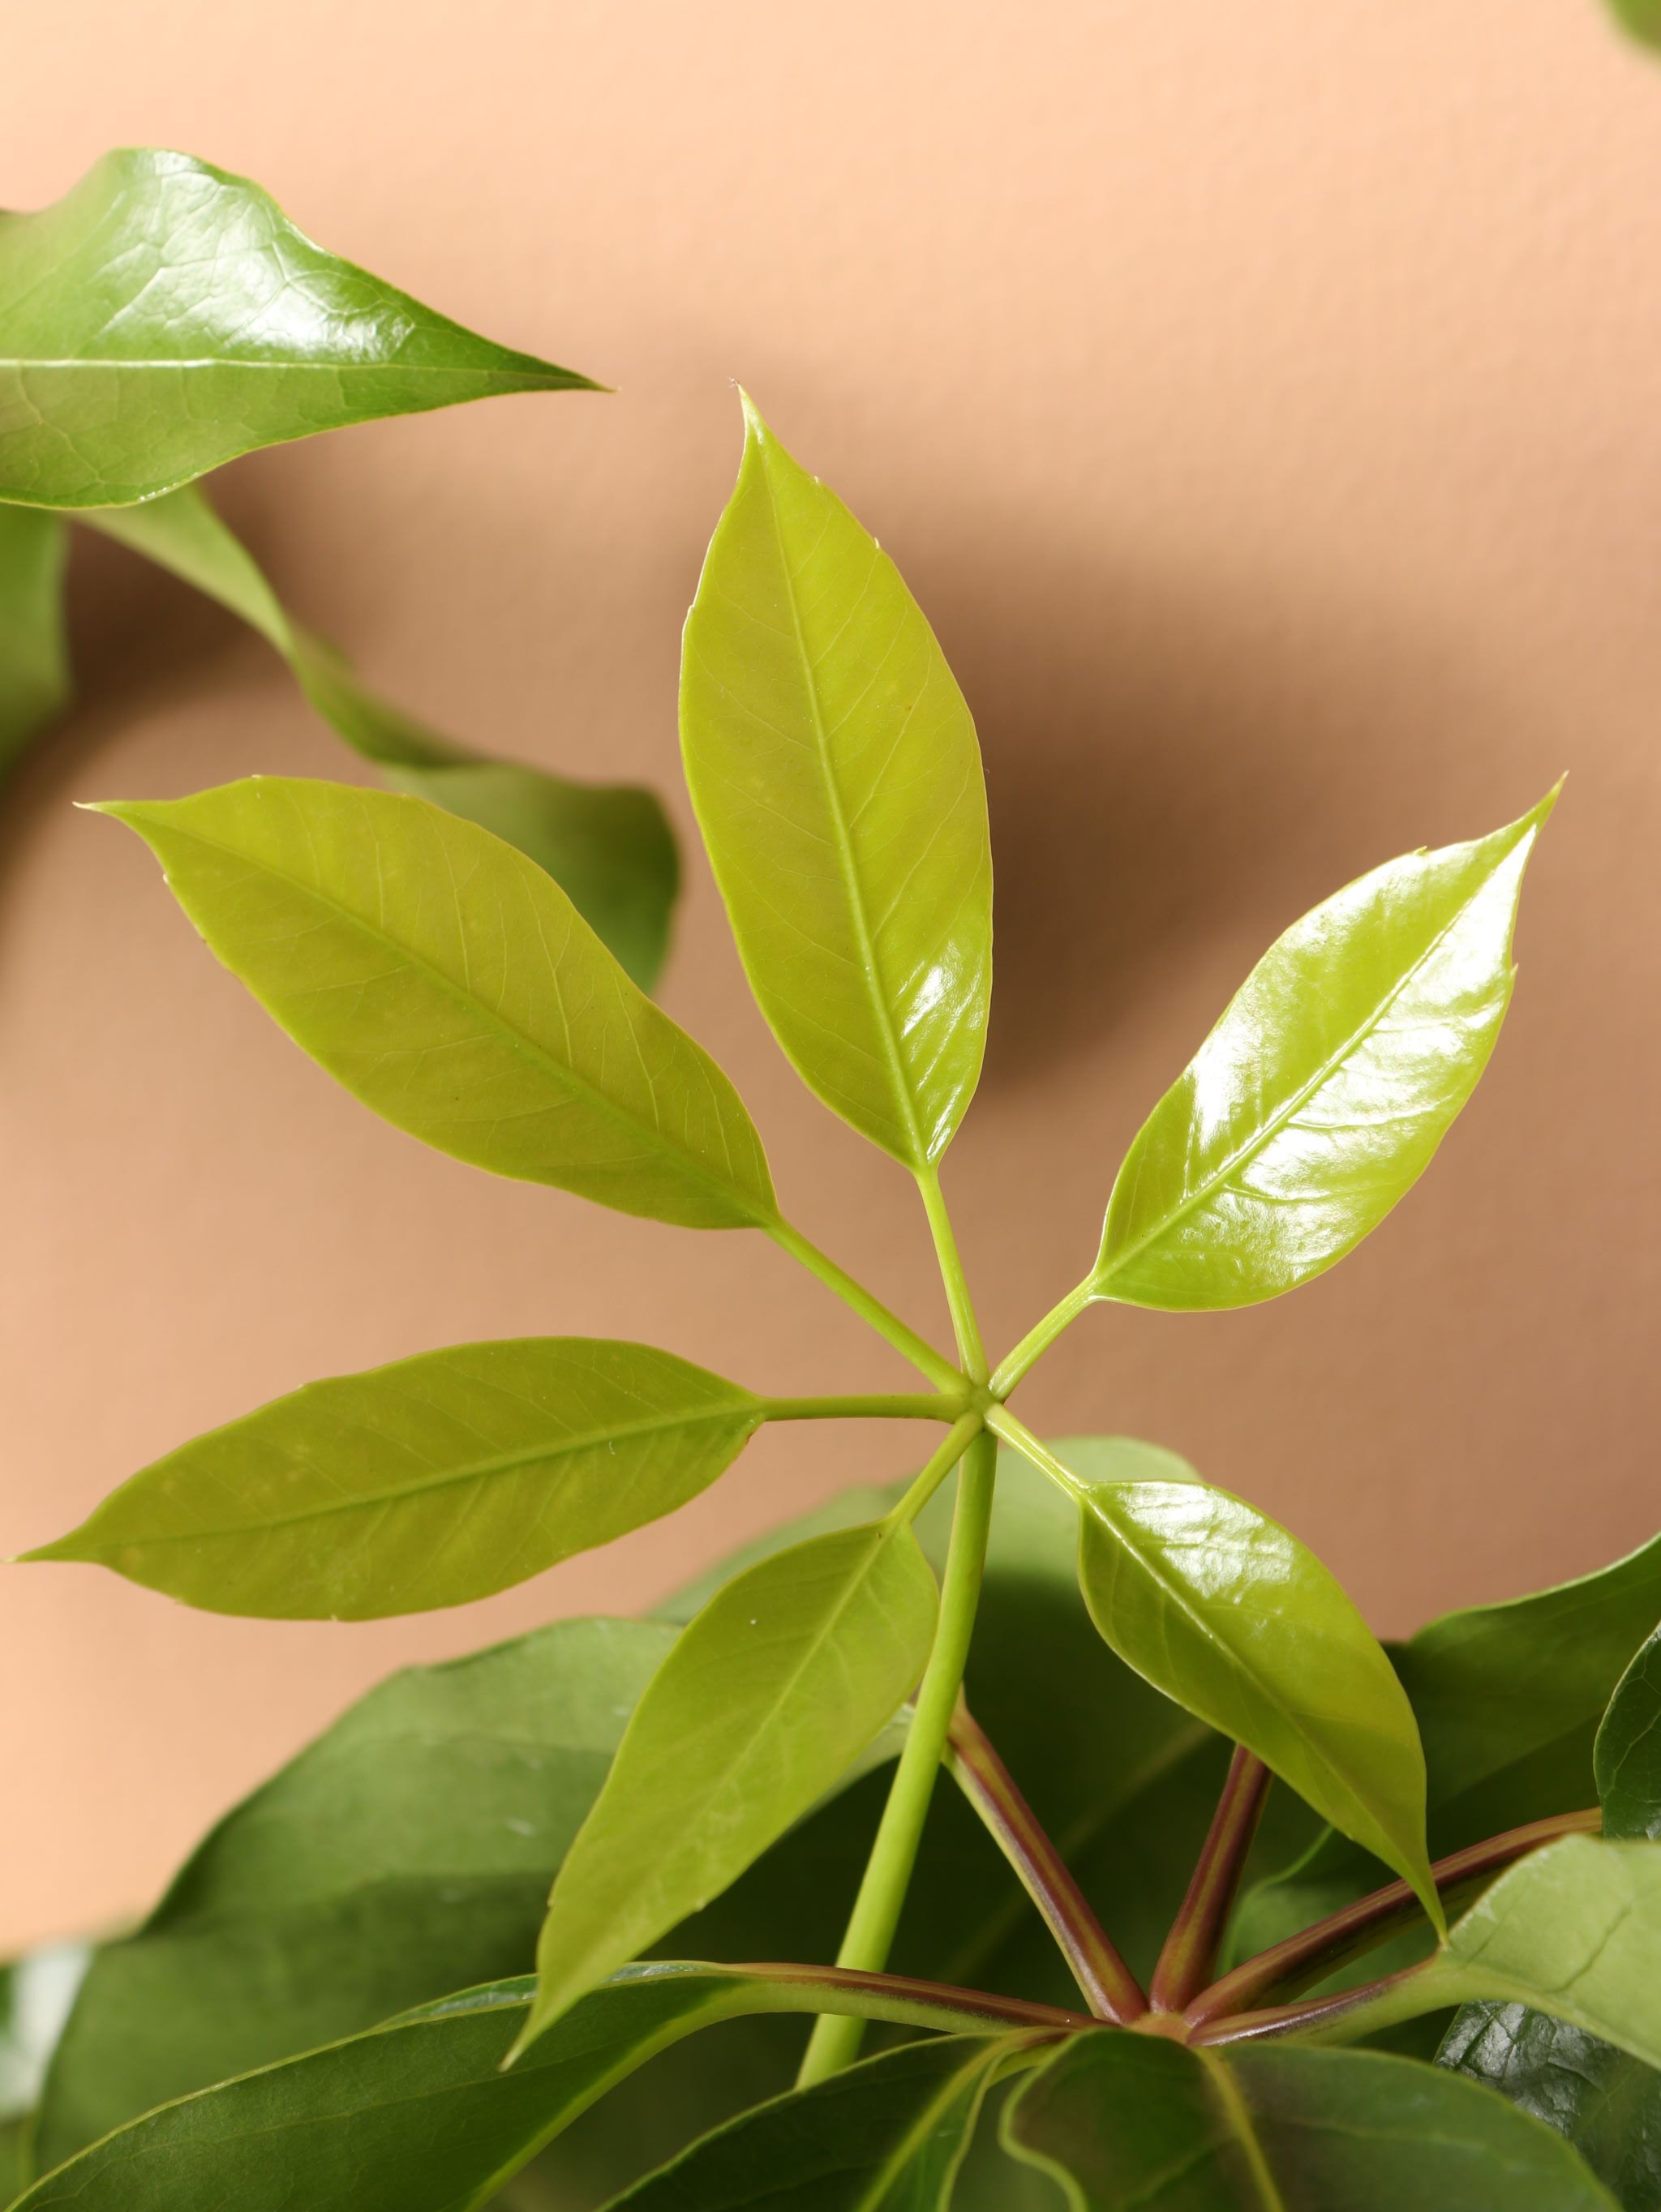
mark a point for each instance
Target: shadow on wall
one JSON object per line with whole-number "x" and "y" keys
{"x": 1170, "y": 753}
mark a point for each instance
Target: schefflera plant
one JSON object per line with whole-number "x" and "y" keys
{"x": 449, "y": 984}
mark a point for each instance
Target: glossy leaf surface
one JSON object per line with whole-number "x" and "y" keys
{"x": 164, "y": 317}
{"x": 837, "y": 782}
{"x": 451, "y": 985}
{"x": 34, "y": 670}
{"x": 769, "y": 1696}
{"x": 1627, "y": 1756}
{"x": 1226, "y": 1612}
{"x": 405, "y": 1854}
{"x": 1131, "y": 2121}
{"x": 1319, "y": 1097}
{"x": 888, "y": 2136}
{"x": 432, "y": 1482}
{"x": 608, "y": 846}
{"x": 1605, "y": 2103}
{"x": 419, "y": 2116}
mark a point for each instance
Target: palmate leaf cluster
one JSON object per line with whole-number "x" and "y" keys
{"x": 161, "y": 319}
{"x": 736, "y": 1804}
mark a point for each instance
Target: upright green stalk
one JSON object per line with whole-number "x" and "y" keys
{"x": 836, "y": 2039}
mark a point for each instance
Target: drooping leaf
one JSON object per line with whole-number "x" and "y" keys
{"x": 431, "y": 1482}
{"x": 1508, "y": 1698}
{"x": 608, "y": 846}
{"x": 1231, "y": 1616}
{"x": 1627, "y": 1757}
{"x": 35, "y": 669}
{"x": 164, "y": 317}
{"x": 449, "y": 984}
{"x": 770, "y": 1694}
{"x": 1319, "y": 1097}
{"x": 405, "y": 1853}
{"x": 1133, "y": 2121}
{"x": 837, "y": 782}
{"x": 887, "y": 2135}
{"x": 419, "y": 2115}
{"x": 1605, "y": 2103}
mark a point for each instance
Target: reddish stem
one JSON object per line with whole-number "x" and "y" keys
{"x": 1314, "y": 1952}
{"x": 905, "y": 1988}
{"x": 1109, "y": 1988}
{"x": 1189, "y": 1957}
{"x": 1319, "y": 2012}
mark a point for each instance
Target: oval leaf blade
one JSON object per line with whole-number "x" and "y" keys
{"x": 1319, "y": 1097}
{"x": 1128, "y": 2121}
{"x": 608, "y": 846}
{"x": 837, "y": 778}
{"x": 770, "y": 1694}
{"x": 1231, "y": 1616}
{"x": 164, "y": 317}
{"x": 450, "y": 984}
{"x": 431, "y": 1482}
{"x": 418, "y": 2116}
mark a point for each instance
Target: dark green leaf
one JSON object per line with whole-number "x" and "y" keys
{"x": 1124, "y": 2121}
{"x": 769, "y": 1697}
{"x": 405, "y": 1853}
{"x": 1607, "y": 2105}
{"x": 608, "y": 846}
{"x": 837, "y": 782}
{"x": 432, "y": 1482}
{"x": 35, "y": 669}
{"x": 420, "y": 2116}
{"x": 451, "y": 985}
{"x": 164, "y": 317}
{"x": 1627, "y": 1756}
{"x": 888, "y": 2136}
{"x": 1319, "y": 1097}
{"x": 1230, "y": 1615}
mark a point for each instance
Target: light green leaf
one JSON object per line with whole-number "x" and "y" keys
{"x": 418, "y": 2116}
{"x": 837, "y": 782}
{"x": 451, "y": 985}
{"x": 34, "y": 668}
{"x": 1224, "y": 1611}
{"x": 608, "y": 846}
{"x": 1132, "y": 2121}
{"x": 1574, "y": 1930}
{"x": 888, "y": 2136}
{"x": 1319, "y": 1097}
{"x": 405, "y": 1854}
{"x": 432, "y": 1482}
{"x": 164, "y": 317}
{"x": 1508, "y": 1698}
{"x": 769, "y": 1696}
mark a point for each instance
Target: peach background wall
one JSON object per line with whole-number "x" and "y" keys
{"x": 1266, "y": 405}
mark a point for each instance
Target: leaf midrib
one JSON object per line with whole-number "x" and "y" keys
{"x": 516, "y": 1037}
{"x": 1271, "y": 1129}
{"x": 478, "y": 1471}
{"x": 1238, "y": 2117}
{"x": 851, "y": 884}
{"x": 21, "y": 364}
